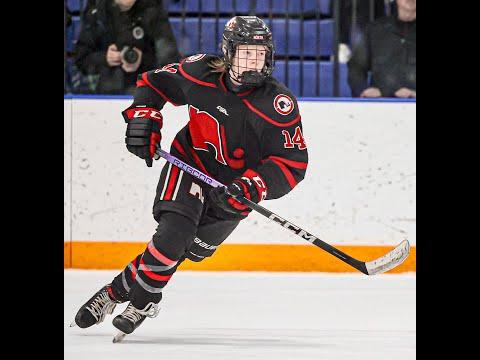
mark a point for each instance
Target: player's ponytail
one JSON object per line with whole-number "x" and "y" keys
{"x": 217, "y": 65}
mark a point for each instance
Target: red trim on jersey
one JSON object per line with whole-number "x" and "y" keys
{"x": 288, "y": 174}
{"x": 164, "y": 97}
{"x": 176, "y": 144}
{"x": 198, "y": 161}
{"x": 152, "y": 275}
{"x": 290, "y": 163}
{"x": 233, "y": 163}
{"x": 245, "y": 93}
{"x": 222, "y": 83}
{"x": 171, "y": 183}
{"x": 195, "y": 80}
{"x": 140, "y": 83}
{"x": 270, "y": 120}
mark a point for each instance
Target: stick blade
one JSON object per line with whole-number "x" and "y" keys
{"x": 390, "y": 260}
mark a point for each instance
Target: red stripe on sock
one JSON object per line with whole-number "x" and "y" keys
{"x": 154, "y": 276}
{"x": 158, "y": 255}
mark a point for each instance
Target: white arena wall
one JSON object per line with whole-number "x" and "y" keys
{"x": 360, "y": 187}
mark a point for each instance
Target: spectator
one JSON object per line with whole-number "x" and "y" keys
{"x": 67, "y": 18}
{"x": 354, "y": 16}
{"x": 388, "y": 52}
{"x": 120, "y": 39}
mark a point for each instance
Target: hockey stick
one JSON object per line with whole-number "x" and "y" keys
{"x": 384, "y": 263}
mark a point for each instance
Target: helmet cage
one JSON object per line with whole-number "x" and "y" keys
{"x": 248, "y": 77}
{"x": 248, "y": 31}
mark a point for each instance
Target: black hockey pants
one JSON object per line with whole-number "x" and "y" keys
{"x": 188, "y": 227}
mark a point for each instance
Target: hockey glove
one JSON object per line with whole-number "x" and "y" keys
{"x": 250, "y": 185}
{"x": 143, "y": 132}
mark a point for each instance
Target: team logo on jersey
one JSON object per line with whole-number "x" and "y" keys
{"x": 283, "y": 104}
{"x": 205, "y": 130}
{"x": 207, "y": 133}
{"x": 194, "y": 58}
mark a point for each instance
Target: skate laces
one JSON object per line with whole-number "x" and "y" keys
{"x": 133, "y": 314}
{"x": 101, "y": 306}
{"x": 151, "y": 310}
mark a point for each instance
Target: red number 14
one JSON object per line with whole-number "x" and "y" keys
{"x": 296, "y": 140}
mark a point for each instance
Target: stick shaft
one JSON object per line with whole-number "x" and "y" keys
{"x": 297, "y": 230}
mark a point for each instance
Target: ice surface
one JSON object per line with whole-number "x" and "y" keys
{"x": 255, "y": 315}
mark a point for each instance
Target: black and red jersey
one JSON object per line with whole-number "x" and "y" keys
{"x": 228, "y": 133}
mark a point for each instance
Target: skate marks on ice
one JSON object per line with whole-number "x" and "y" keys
{"x": 240, "y": 343}
{"x": 277, "y": 338}
{"x": 264, "y": 316}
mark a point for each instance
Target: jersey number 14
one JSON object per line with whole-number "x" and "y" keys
{"x": 296, "y": 140}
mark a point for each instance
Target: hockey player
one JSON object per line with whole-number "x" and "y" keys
{"x": 244, "y": 130}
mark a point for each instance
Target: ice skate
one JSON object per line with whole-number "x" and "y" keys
{"x": 131, "y": 318}
{"x": 94, "y": 310}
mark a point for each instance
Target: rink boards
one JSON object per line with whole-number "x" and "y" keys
{"x": 359, "y": 193}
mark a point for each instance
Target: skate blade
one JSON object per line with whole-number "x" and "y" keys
{"x": 73, "y": 324}
{"x": 119, "y": 337}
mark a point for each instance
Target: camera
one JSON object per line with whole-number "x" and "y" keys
{"x": 129, "y": 55}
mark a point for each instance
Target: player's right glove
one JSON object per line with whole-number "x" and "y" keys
{"x": 250, "y": 185}
{"x": 143, "y": 134}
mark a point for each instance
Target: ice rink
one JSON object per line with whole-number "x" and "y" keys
{"x": 255, "y": 315}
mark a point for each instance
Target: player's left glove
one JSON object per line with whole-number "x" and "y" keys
{"x": 143, "y": 134}
{"x": 250, "y": 185}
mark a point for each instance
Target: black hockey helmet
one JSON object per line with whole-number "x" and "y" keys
{"x": 248, "y": 30}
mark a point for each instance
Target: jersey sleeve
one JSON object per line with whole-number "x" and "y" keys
{"x": 284, "y": 151}
{"x": 157, "y": 87}
{"x": 171, "y": 83}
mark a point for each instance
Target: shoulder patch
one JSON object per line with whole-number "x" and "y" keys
{"x": 283, "y": 104}
{"x": 275, "y": 104}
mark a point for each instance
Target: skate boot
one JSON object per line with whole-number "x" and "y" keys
{"x": 131, "y": 318}
{"x": 95, "y": 309}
